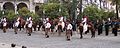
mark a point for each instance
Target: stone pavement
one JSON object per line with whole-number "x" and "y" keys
{"x": 37, "y": 40}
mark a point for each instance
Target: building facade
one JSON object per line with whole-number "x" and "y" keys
{"x": 15, "y": 5}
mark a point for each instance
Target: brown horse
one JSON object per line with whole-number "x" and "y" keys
{"x": 90, "y": 27}
{"x": 22, "y": 23}
{"x": 58, "y": 26}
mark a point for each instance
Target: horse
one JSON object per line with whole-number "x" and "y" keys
{"x": 59, "y": 26}
{"x": 22, "y": 23}
{"x": 90, "y": 27}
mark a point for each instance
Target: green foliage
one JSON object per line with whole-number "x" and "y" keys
{"x": 94, "y": 13}
{"x": 52, "y": 10}
{"x": 1, "y": 13}
{"x": 11, "y": 15}
{"x": 24, "y": 11}
{"x": 34, "y": 16}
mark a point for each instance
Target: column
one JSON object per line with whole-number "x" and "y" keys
{"x": 15, "y": 5}
{"x": 32, "y": 6}
{"x": 1, "y": 6}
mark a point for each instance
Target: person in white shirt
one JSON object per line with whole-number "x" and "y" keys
{"x": 69, "y": 30}
{"x": 29, "y": 18}
{"x": 16, "y": 24}
{"x": 47, "y": 29}
{"x": 61, "y": 19}
{"x": 30, "y": 27}
{"x": 4, "y": 26}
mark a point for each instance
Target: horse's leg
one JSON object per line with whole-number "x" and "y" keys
{"x": 46, "y": 33}
{"x": 15, "y": 30}
{"x": 20, "y": 27}
{"x": 68, "y": 35}
{"x": 87, "y": 31}
{"x": 81, "y": 32}
{"x": 4, "y": 29}
{"x": 59, "y": 32}
{"x": 29, "y": 31}
{"x": 39, "y": 27}
{"x": 92, "y": 33}
{"x": 35, "y": 28}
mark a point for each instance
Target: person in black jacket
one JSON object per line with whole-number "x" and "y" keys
{"x": 100, "y": 27}
{"x": 107, "y": 24}
{"x": 115, "y": 28}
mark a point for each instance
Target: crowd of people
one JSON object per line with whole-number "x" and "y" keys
{"x": 85, "y": 25}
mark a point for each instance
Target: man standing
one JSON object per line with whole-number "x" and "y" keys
{"x": 30, "y": 27}
{"x": 16, "y": 24}
{"x": 115, "y": 27}
{"x": 69, "y": 31}
{"x": 100, "y": 27}
{"x": 107, "y": 23}
{"x": 4, "y": 24}
{"x": 47, "y": 29}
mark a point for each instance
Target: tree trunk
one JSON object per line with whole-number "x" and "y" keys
{"x": 117, "y": 13}
{"x": 80, "y": 8}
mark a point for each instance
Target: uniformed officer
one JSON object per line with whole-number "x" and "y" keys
{"x": 4, "y": 26}
{"x": 115, "y": 28}
{"x": 107, "y": 24}
{"x": 30, "y": 27}
{"x": 100, "y": 27}
{"x": 47, "y": 29}
{"x": 69, "y": 30}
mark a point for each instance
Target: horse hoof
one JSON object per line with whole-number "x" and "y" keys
{"x": 4, "y": 32}
{"x": 29, "y": 34}
{"x": 15, "y": 33}
{"x": 93, "y": 37}
{"x": 13, "y": 45}
{"x": 47, "y": 36}
{"x": 68, "y": 39}
{"x": 24, "y": 47}
{"x": 81, "y": 37}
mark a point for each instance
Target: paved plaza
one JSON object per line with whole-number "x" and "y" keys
{"x": 37, "y": 40}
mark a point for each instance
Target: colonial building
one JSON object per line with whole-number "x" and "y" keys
{"x": 32, "y": 5}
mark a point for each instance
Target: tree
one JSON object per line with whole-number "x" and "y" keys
{"x": 117, "y": 3}
{"x": 94, "y": 13}
{"x": 23, "y": 12}
{"x": 34, "y": 16}
{"x": 1, "y": 13}
{"x": 11, "y": 15}
{"x": 52, "y": 10}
